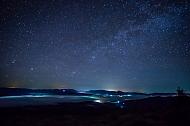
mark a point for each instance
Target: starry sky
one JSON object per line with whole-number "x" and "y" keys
{"x": 129, "y": 45}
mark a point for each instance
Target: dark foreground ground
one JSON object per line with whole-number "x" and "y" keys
{"x": 157, "y": 111}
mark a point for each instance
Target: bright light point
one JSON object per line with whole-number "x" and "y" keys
{"x": 129, "y": 95}
{"x": 98, "y": 101}
{"x": 111, "y": 89}
{"x": 81, "y": 92}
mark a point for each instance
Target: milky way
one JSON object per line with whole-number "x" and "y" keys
{"x": 130, "y": 45}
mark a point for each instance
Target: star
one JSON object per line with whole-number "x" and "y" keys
{"x": 124, "y": 44}
{"x": 13, "y": 61}
{"x": 31, "y": 69}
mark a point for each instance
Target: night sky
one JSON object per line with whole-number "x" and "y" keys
{"x": 129, "y": 45}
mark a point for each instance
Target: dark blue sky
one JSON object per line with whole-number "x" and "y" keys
{"x": 130, "y": 45}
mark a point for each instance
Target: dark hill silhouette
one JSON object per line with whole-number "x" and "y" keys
{"x": 153, "y": 111}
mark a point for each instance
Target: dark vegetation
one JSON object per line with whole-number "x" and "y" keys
{"x": 154, "y": 111}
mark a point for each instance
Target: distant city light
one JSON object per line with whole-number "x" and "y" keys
{"x": 98, "y": 101}
{"x": 129, "y": 95}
